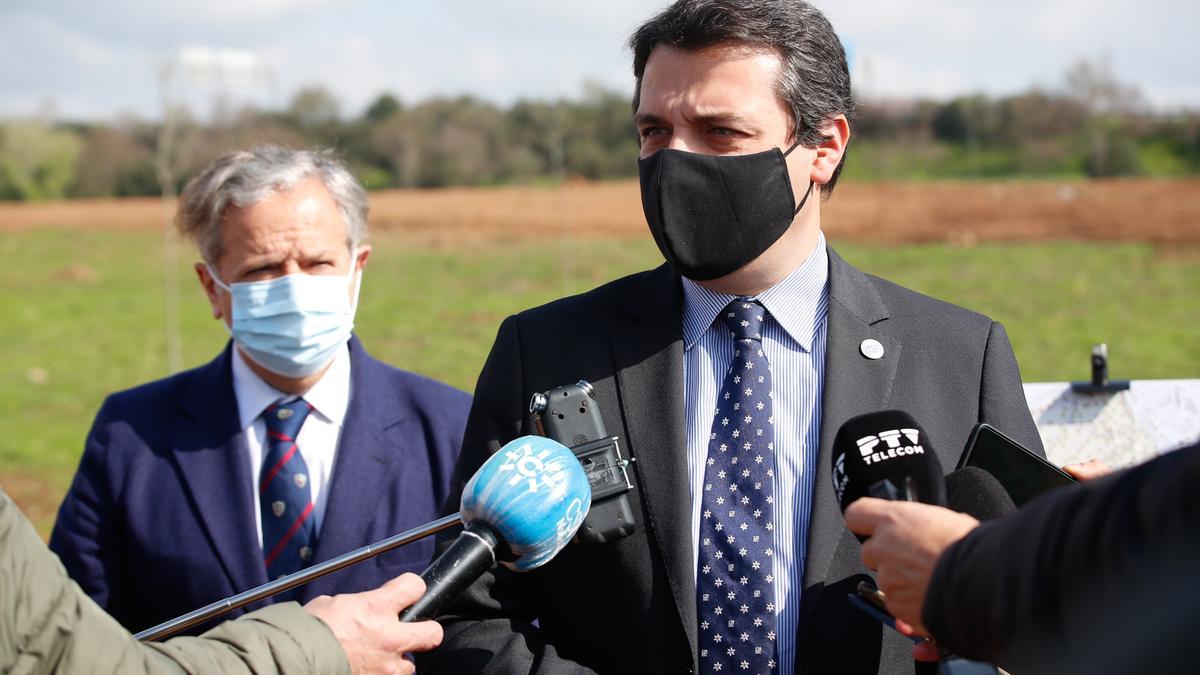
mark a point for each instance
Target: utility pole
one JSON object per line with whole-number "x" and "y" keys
{"x": 220, "y": 70}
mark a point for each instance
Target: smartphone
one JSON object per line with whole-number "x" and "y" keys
{"x": 870, "y": 600}
{"x": 1023, "y": 474}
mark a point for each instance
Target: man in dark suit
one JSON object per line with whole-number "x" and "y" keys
{"x": 293, "y": 446}
{"x": 740, "y": 560}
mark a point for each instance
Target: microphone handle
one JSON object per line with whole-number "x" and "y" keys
{"x": 471, "y": 554}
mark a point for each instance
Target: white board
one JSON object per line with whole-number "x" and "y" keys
{"x": 1122, "y": 428}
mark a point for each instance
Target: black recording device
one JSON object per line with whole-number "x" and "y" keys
{"x": 570, "y": 415}
{"x": 1023, "y": 474}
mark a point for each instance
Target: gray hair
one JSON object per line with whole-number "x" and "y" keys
{"x": 243, "y": 178}
{"x": 814, "y": 81}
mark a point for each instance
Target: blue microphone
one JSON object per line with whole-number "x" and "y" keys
{"x": 530, "y": 497}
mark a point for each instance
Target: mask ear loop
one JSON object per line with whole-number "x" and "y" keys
{"x": 807, "y": 192}
{"x": 217, "y": 280}
{"x": 228, "y": 291}
{"x": 356, "y": 277}
{"x": 805, "y": 199}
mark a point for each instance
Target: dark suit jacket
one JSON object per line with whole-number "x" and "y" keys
{"x": 1093, "y": 578}
{"x": 160, "y": 517}
{"x": 630, "y": 606}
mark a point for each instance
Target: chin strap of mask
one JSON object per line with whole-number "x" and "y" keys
{"x": 807, "y": 192}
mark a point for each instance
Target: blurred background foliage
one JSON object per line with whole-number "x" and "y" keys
{"x": 1090, "y": 125}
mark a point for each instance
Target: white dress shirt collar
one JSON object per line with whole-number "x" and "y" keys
{"x": 799, "y": 319}
{"x": 329, "y": 397}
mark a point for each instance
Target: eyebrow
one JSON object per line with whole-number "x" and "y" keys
{"x": 647, "y": 118}
{"x": 718, "y": 119}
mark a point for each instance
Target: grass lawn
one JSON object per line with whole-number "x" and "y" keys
{"x": 82, "y": 315}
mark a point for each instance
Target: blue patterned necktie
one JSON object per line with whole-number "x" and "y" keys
{"x": 735, "y": 593}
{"x": 285, "y": 498}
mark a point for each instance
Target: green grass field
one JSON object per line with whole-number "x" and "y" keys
{"x": 83, "y": 314}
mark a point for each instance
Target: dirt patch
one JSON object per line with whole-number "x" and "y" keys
{"x": 138, "y": 213}
{"x": 37, "y": 497}
{"x": 1158, "y": 211}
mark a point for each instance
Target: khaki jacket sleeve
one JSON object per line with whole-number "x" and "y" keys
{"x": 48, "y": 625}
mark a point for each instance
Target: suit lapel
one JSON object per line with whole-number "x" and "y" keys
{"x": 366, "y": 462}
{"x": 648, "y": 351}
{"x": 211, "y": 451}
{"x": 853, "y": 385}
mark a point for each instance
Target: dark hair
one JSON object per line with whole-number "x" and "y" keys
{"x": 814, "y": 81}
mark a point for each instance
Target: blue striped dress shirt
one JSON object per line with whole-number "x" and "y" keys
{"x": 794, "y": 342}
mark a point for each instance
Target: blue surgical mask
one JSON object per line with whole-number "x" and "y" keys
{"x": 294, "y": 324}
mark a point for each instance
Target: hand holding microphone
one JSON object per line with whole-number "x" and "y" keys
{"x": 905, "y": 542}
{"x": 522, "y": 507}
{"x": 882, "y": 462}
{"x": 884, "y": 465}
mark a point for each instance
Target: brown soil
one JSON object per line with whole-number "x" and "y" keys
{"x": 1158, "y": 211}
{"x": 37, "y": 497}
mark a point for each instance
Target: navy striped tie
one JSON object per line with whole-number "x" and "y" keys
{"x": 735, "y": 593}
{"x": 285, "y": 498}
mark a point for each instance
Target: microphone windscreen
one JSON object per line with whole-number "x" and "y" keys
{"x": 534, "y": 494}
{"x": 886, "y": 454}
{"x": 978, "y": 494}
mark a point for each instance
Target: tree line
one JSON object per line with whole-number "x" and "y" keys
{"x": 1091, "y": 125}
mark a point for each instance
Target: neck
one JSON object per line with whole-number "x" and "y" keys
{"x": 773, "y": 266}
{"x": 297, "y": 386}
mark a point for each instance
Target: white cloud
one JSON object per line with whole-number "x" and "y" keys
{"x": 215, "y": 11}
{"x": 880, "y": 74}
{"x": 32, "y": 34}
{"x": 98, "y": 58}
{"x": 179, "y": 13}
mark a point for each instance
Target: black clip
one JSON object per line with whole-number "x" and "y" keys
{"x": 1100, "y": 383}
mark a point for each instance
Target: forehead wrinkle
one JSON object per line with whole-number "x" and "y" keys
{"x": 693, "y": 111}
{"x": 717, "y": 117}
{"x": 692, "y": 78}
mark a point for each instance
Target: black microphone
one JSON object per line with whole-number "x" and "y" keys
{"x": 978, "y": 494}
{"x": 886, "y": 454}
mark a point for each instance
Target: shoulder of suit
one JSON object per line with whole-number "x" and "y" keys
{"x": 427, "y": 386}
{"x": 593, "y": 303}
{"x": 417, "y": 387}
{"x": 904, "y": 302}
{"x": 158, "y": 395}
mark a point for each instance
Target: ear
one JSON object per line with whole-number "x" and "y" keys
{"x": 210, "y": 288}
{"x": 830, "y": 151}
{"x": 363, "y": 252}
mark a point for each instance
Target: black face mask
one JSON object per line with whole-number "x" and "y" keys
{"x": 712, "y": 214}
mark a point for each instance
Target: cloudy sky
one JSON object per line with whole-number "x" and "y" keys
{"x": 98, "y": 60}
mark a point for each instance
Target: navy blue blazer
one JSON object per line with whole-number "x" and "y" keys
{"x": 160, "y": 517}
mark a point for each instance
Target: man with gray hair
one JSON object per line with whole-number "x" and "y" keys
{"x": 740, "y": 561}
{"x": 293, "y": 446}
